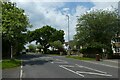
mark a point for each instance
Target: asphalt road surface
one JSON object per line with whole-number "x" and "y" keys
{"x": 48, "y": 66}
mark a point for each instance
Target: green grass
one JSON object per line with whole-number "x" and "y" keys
{"x": 0, "y": 65}
{"x": 8, "y": 63}
{"x": 80, "y": 58}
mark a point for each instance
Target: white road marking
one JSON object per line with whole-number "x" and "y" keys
{"x": 102, "y": 64}
{"x": 59, "y": 62}
{"x": 71, "y": 70}
{"x": 21, "y": 71}
{"x": 91, "y": 69}
{"x": 93, "y": 73}
{"x": 68, "y": 65}
{"x": 80, "y": 73}
{"x": 52, "y": 62}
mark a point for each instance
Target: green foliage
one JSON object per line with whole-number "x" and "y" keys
{"x": 96, "y": 29}
{"x": 57, "y": 44}
{"x": 72, "y": 44}
{"x": 32, "y": 48}
{"x": 39, "y": 46}
{"x": 14, "y": 26}
{"x": 46, "y": 35}
{"x": 91, "y": 50}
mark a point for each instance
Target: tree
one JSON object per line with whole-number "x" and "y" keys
{"x": 32, "y": 48}
{"x": 56, "y": 45}
{"x": 46, "y": 35}
{"x": 14, "y": 27}
{"x": 96, "y": 29}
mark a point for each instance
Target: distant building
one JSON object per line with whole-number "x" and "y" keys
{"x": 116, "y": 44}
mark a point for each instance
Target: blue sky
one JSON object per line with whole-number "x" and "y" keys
{"x": 54, "y": 13}
{"x": 73, "y": 5}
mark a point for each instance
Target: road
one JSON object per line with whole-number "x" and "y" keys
{"x": 48, "y": 66}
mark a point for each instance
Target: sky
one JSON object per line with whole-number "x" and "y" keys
{"x": 53, "y": 12}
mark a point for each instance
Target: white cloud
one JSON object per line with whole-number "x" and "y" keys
{"x": 105, "y": 5}
{"x": 66, "y": 9}
{"x": 65, "y": 0}
{"x": 47, "y": 13}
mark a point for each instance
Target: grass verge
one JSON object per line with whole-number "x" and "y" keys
{"x": 80, "y": 58}
{"x": 10, "y": 63}
{"x": 0, "y": 65}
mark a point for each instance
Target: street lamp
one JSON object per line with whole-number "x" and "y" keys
{"x": 68, "y": 30}
{"x": 68, "y": 36}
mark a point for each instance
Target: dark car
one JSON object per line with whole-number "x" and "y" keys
{"x": 23, "y": 51}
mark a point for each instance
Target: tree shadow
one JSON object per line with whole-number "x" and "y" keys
{"x": 31, "y": 56}
{"x": 36, "y": 62}
{"x": 34, "y": 59}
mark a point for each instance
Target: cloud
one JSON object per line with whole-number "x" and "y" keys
{"x": 54, "y": 13}
{"x": 41, "y": 14}
{"x": 105, "y": 5}
{"x": 65, "y": 0}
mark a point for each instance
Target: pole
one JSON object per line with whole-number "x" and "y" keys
{"x": 11, "y": 52}
{"x": 68, "y": 35}
{"x": 68, "y": 29}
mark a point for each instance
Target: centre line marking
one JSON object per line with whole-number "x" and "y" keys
{"x": 71, "y": 70}
{"x": 91, "y": 69}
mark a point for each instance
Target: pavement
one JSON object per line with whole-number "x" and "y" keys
{"x": 49, "y": 66}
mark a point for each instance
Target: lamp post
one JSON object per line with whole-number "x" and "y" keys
{"x": 68, "y": 36}
{"x": 68, "y": 29}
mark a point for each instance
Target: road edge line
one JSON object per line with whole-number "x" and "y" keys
{"x": 21, "y": 71}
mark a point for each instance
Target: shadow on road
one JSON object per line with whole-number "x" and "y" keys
{"x": 31, "y": 56}
{"x": 34, "y": 59}
{"x": 36, "y": 62}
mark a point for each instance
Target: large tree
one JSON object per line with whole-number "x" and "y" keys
{"x": 96, "y": 29}
{"x": 57, "y": 45}
{"x": 45, "y": 35}
{"x": 14, "y": 27}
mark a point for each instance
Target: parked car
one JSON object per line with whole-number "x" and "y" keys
{"x": 23, "y": 51}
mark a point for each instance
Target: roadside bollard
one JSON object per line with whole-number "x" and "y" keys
{"x": 97, "y": 57}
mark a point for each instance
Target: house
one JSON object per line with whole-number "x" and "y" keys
{"x": 116, "y": 44}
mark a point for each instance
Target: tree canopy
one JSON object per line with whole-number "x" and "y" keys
{"x": 45, "y": 35}
{"x": 32, "y": 48}
{"x": 57, "y": 45}
{"x": 96, "y": 28}
{"x": 14, "y": 27}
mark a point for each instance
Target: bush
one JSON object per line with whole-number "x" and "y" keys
{"x": 91, "y": 51}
